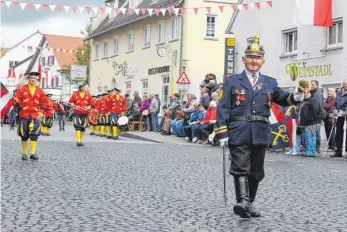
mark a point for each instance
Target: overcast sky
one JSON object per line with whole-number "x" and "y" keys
{"x": 16, "y": 24}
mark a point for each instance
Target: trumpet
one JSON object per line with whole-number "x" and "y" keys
{"x": 304, "y": 86}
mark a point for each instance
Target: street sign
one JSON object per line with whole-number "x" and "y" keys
{"x": 229, "y": 60}
{"x": 183, "y": 87}
{"x": 183, "y": 79}
{"x": 78, "y": 72}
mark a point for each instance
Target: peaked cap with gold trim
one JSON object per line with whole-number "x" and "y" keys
{"x": 255, "y": 49}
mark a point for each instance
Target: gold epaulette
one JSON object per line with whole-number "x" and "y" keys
{"x": 221, "y": 129}
{"x": 270, "y": 77}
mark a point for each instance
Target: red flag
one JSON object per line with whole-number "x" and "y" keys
{"x": 234, "y": 7}
{"x": 74, "y": 8}
{"x": 130, "y": 10}
{"x": 208, "y": 10}
{"x": 221, "y": 8}
{"x": 30, "y": 5}
{"x": 170, "y": 11}
{"x": 183, "y": 11}
{"x": 6, "y": 101}
{"x": 102, "y": 9}
{"x": 59, "y": 7}
{"x": 196, "y": 10}
{"x": 88, "y": 9}
{"x": 143, "y": 10}
{"x": 44, "y": 6}
{"x": 15, "y": 4}
{"x": 270, "y": 3}
{"x": 157, "y": 11}
{"x": 257, "y": 4}
{"x": 245, "y": 6}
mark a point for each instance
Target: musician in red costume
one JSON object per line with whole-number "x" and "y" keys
{"x": 83, "y": 102}
{"x": 103, "y": 118}
{"x": 117, "y": 108}
{"x": 47, "y": 121}
{"x": 93, "y": 117}
{"x": 31, "y": 100}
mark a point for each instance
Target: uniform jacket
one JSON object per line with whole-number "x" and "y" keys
{"x": 80, "y": 101}
{"x": 341, "y": 101}
{"x": 241, "y": 101}
{"x": 117, "y": 106}
{"x": 31, "y": 105}
{"x": 51, "y": 107}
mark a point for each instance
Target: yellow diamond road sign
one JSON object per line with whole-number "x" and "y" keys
{"x": 231, "y": 42}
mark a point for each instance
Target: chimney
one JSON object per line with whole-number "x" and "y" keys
{"x": 11, "y": 73}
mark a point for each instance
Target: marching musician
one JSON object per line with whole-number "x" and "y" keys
{"x": 47, "y": 120}
{"x": 102, "y": 105}
{"x": 83, "y": 101}
{"x": 341, "y": 113}
{"x": 118, "y": 108}
{"x": 243, "y": 124}
{"x": 108, "y": 97}
{"x": 31, "y": 99}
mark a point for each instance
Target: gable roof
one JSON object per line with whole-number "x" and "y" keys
{"x": 121, "y": 20}
{"x": 66, "y": 42}
{"x": 9, "y": 49}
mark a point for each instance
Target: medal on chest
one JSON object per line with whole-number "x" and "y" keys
{"x": 269, "y": 98}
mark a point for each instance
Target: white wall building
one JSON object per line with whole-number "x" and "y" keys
{"x": 19, "y": 56}
{"x": 55, "y": 57}
{"x": 317, "y": 53}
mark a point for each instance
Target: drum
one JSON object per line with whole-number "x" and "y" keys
{"x": 123, "y": 120}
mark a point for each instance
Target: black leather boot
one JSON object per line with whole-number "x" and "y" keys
{"x": 253, "y": 187}
{"x": 242, "y": 207}
{"x": 34, "y": 157}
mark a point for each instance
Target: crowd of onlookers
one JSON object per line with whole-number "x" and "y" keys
{"x": 192, "y": 119}
{"x": 315, "y": 111}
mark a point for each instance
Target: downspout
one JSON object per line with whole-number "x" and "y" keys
{"x": 181, "y": 41}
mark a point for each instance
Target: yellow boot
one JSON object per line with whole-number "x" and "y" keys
{"x": 97, "y": 130}
{"x": 91, "y": 128}
{"x": 33, "y": 155}
{"x": 102, "y": 130}
{"x": 115, "y": 131}
{"x": 25, "y": 150}
{"x": 48, "y": 131}
{"x": 78, "y": 137}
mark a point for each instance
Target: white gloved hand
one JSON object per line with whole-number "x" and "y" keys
{"x": 223, "y": 142}
{"x": 298, "y": 96}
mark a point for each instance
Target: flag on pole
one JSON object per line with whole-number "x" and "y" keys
{"x": 313, "y": 12}
{"x": 6, "y": 101}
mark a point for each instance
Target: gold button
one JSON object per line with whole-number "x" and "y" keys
{"x": 254, "y": 111}
{"x": 253, "y": 103}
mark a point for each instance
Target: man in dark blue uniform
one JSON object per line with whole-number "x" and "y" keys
{"x": 243, "y": 124}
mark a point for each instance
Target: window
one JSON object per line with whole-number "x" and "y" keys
{"x": 161, "y": 32}
{"x": 250, "y": 40}
{"x": 335, "y": 33}
{"x": 290, "y": 41}
{"x": 115, "y": 46}
{"x": 130, "y": 41}
{"x": 211, "y": 26}
{"x": 174, "y": 28}
{"x": 52, "y": 82}
{"x": 56, "y": 81}
{"x": 147, "y": 36}
{"x": 50, "y": 60}
{"x": 165, "y": 94}
{"x": 43, "y": 82}
{"x": 47, "y": 45}
{"x": 12, "y": 63}
{"x": 144, "y": 86}
{"x": 43, "y": 60}
{"x": 128, "y": 88}
{"x": 30, "y": 49}
{"x": 96, "y": 51}
{"x": 105, "y": 48}
{"x": 113, "y": 83}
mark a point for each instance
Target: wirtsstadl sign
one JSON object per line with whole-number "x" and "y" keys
{"x": 158, "y": 70}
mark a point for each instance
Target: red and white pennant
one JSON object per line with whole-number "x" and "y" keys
{"x": 137, "y": 11}
{"x": 63, "y": 50}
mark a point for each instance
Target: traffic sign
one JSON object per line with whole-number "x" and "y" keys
{"x": 183, "y": 79}
{"x": 183, "y": 87}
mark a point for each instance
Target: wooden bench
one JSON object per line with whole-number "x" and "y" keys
{"x": 135, "y": 123}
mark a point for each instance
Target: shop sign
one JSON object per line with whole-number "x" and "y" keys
{"x": 301, "y": 69}
{"x": 158, "y": 70}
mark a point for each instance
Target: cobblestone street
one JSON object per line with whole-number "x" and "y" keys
{"x": 134, "y": 185}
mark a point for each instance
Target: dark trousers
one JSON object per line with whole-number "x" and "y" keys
{"x": 80, "y": 122}
{"x": 203, "y": 133}
{"x": 29, "y": 129}
{"x": 328, "y": 126}
{"x": 247, "y": 160}
{"x": 339, "y": 134}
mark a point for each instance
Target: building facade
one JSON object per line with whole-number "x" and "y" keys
{"x": 148, "y": 54}
{"x": 312, "y": 53}
{"x": 19, "y": 57}
{"x": 55, "y": 57}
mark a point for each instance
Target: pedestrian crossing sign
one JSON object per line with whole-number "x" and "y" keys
{"x": 183, "y": 79}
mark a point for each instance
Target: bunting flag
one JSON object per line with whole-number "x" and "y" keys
{"x": 63, "y": 50}
{"x": 6, "y": 100}
{"x": 130, "y": 11}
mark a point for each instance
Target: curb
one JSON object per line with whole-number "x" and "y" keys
{"x": 132, "y": 136}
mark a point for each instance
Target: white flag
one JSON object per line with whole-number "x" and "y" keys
{"x": 163, "y": 11}
{"x": 52, "y": 7}
{"x": 123, "y": 10}
{"x": 95, "y": 10}
{"x": 240, "y": 7}
{"x": 37, "y": 6}
{"x": 64, "y": 50}
{"x": 67, "y": 8}
{"x": 137, "y": 11}
{"x": 176, "y": 10}
{"x": 150, "y": 11}
{"x": 8, "y": 4}
{"x": 22, "y": 5}
{"x": 251, "y": 6}
{"x": 109, "y": 10}
{"x": 81, "y": 8}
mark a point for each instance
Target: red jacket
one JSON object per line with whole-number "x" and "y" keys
{"x": 117, "y": 106}
{"x": 103, "y": 106}
{"x": 210, "y": 116}
{"x": 80, "y": 101}
{"x": 51, "y": 107}
{"x": 31, "y": 106}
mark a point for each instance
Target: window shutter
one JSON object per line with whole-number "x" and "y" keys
{"x": 52, "y": 60}
{"x": 52, "y": 82}
{"x": 57, "y": 81}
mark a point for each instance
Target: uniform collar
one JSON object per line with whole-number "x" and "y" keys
{"x": 249, "y": 74}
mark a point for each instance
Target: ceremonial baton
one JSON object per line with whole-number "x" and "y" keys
{"x": 74, "y": 106}
{"x": 224, "y": 181}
